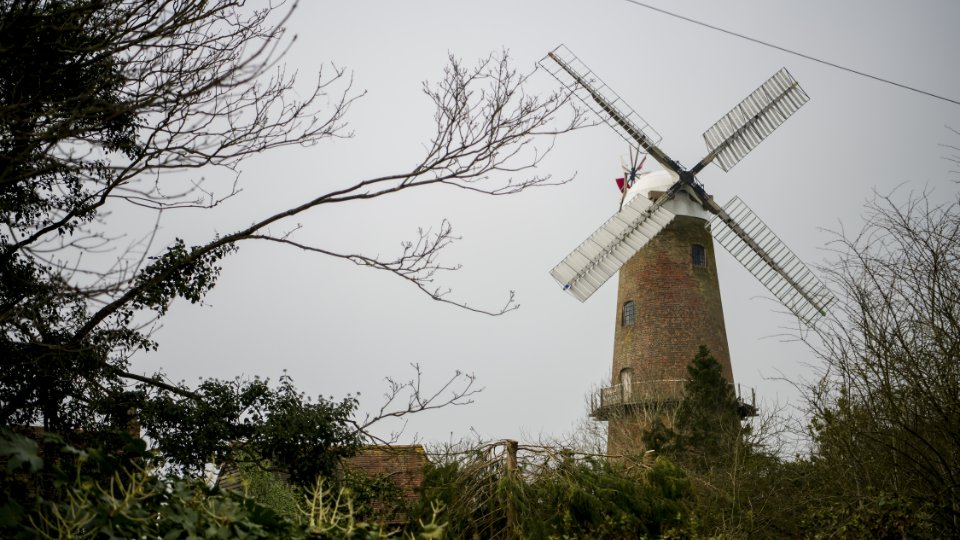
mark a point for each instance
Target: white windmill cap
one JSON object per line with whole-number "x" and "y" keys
{"x": 655, "y": 183}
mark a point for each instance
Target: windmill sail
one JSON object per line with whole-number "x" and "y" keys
{"x": 747, "y": 124}
{"x": 605, "y": 103}
{"x": 735, "y": 226}
{"x": 606, "y": 250}
{"x": 755, "y": 246}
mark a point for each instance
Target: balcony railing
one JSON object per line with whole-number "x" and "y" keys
{"x": 652, "y": 393}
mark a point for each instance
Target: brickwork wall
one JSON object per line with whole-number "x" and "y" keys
{"x": 678, "y": 309}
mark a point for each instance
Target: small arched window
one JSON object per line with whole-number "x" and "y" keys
{"x": 629, "y": 315}
{"x": 698, "y": 255}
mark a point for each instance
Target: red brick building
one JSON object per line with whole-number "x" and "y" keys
{"x": 402, "y": 465}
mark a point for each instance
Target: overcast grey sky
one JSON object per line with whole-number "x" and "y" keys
{"x": 340, "y": 329}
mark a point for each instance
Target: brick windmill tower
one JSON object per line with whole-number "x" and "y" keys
{"x": 661, "y": 242}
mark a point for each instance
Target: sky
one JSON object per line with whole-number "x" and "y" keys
{"x": 338, "y": 329}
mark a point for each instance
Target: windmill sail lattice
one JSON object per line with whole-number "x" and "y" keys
{"x": 736, "y": 227}
{"x": 759, "y": 250}
{"x": 600, "y": 98}
{"x": 601, "y": 255}
{"x": 747, "y": 124}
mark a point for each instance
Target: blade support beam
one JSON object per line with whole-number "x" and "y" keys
{"x": 613, "y": 110}
{"x": 760, "y": 251}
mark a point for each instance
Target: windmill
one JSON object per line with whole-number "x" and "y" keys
{"x": 661, "y": 242}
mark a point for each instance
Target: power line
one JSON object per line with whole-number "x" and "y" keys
{"x": 784, "y": 49}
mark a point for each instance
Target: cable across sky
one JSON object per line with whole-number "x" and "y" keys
{"x": 796, "y": 53}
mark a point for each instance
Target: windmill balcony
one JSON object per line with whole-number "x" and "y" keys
{"x": 622, "y": 398}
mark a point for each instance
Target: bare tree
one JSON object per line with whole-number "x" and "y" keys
{"x": 886, "y": 411}
{"x": 148, "y": 88}
{"x": 106, "y": 103}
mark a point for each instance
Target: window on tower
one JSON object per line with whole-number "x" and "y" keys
{"x": 698, "y": 255}
{"x": 629, "y": 315}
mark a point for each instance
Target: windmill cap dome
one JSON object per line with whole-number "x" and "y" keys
{"x": 651, "y": 181}
{"x": 657, "y": 182}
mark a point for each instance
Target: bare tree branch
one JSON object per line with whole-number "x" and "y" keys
{"x": 886, "y": 405}
{"x": 404, "y": 398}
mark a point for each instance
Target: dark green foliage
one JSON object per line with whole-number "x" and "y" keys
{"x": 886, "y": 411}
{"x": 708, "y": 421}
{"x": 572, "y": 498}
{"x": 270, "y": 489}
{"x": 56, "y": 88}
{"x": 68, "y": 382}
{"x": 738, "y": 488}
{"x": 443, "y": 484}
{"x": 97, "y": 99}
{"x": 178, "y": 273}
{"x": 375, "y": 499}
{"x": 883, "y": 516}
{"x": 234, "y": 420}
{"x": 467, "y": 490}
{"x": 659, "y": 437}
{"x": 865, "y": 469}
{"x": 68, "y": 131}
{"x": 598, "y": 499}
{"x": 40, "y": 469}
{"x": 93, "y": 494}
{"x": 56, "y": 85}
{"x": 707, "y": 426}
